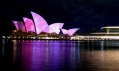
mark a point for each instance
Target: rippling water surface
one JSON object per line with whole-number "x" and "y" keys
{"x": 59, "y": 55}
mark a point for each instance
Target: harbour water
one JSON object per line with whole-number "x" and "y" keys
{"x": 59, "y": 55}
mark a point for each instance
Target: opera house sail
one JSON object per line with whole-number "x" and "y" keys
{"x": 16, "y": 24}
{"x": 19, "y": 25}
{"x": 72, "y": 31}
{"x": 59, "y": 25}
{"x": 54, "y": 28}
{"x": 38, "y": 28}
{"x": 69, "y": 32}
{"x": 40, "y": 23}
{"x": 64, "y": 31}
{"x": 29, "y": 25}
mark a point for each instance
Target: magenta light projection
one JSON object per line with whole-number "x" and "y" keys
{"x": 39, "y": 24}
{"x": 29, "y": 24}
{"x": 22, "y": 26}
{"x": 59, "y": 25}
{"x": 46, "y": 29}
{"x": 19, "y": 25}
{"x": 69, "y": 32}
{"x": 39, "y": 21}
{"x": 55, "y": 27}
{"x": 16, "y": 24}
{"x": 64, "y": 31}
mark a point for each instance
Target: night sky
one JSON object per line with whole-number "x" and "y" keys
{"x": 88, "y": 15}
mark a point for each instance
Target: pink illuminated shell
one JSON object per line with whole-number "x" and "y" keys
{"x": 59, "y": 25}
{"x": 40, "y": 22}
{"x": 46, "y": 29}
{"x": 55, "y": 27}
{"x": 29, "y": 24}
{"x": 16, "y": 24}
{"x": 69, "y": 32}
{"x": 64, "y": 31}
{"x": 19, "y": 25}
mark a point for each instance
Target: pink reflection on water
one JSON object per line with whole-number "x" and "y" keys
{"x": 33, "y": 56}
{"x": 26, "y": 55}
{"x": 47, "y": 55}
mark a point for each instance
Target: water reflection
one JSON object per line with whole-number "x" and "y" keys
{"x": 103, "y": 57}
{"x": 56, "y": 55}
{"x": 46, "y": 55}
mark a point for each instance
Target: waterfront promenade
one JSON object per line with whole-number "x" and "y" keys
{"x": 88, "y": 37}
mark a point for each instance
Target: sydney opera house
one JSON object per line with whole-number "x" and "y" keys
{"x": 39, "y": 28}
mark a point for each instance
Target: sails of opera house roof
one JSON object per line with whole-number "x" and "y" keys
{"x": 29, "y": 24}
{"x": 39, "y": 25}
{"x": 19, "y": 25}
{"x": 55, "y": 27}
{"x": 69, "y": 32}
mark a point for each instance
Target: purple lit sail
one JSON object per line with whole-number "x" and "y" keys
{"x": 59, "y": 25}
{"x": 40, "y": 22}
{"x": 22, "y": 27}
{"x": 69, "y": 32}
{"x": 16, "y": 24}
{"x": 40, "y": 25}
{"x": 64, "y": 31}
{"x": 55, "y": 27}
{"x": 19, "y": 25}
{"x": 29, "y": 24}
{"x": 46, "y": 29}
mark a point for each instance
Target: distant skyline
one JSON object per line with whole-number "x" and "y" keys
{"x": 88, "y": 15}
